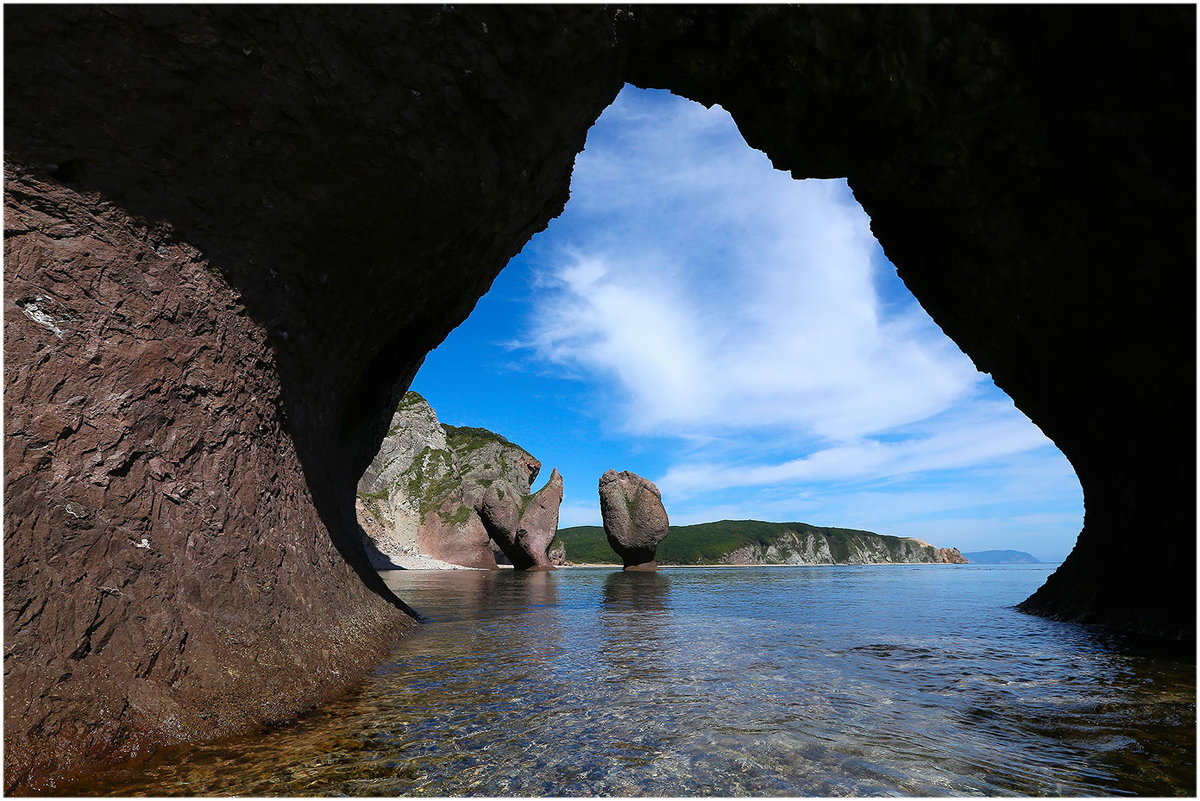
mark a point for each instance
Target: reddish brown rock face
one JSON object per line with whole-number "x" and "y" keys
{"x": 342, "y": 186}
{"x": 538, "y": 525}
{"x": 520, "y": 525}
{"x": 458, "y": 541}
{"x": 158, "y": 525}
{"x": 951, "y": 556}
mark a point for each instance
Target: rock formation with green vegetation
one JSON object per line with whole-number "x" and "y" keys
{"x": 754, "y": 542}
{"x": 458, "y": 494}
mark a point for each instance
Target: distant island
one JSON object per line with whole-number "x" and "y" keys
{"x": 1002, "y": 558}
{"x": 755, "y": 542}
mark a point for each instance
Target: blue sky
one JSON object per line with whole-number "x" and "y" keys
{"x": 739, "y": 338}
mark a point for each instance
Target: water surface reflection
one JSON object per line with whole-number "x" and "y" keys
{"x": 634, "y": 629}
{"x": 899, "y": 680}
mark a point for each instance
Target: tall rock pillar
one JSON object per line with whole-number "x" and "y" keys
{"x": 635, "y": 521}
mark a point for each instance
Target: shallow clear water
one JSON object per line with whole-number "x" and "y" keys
{"x": 822, "y": 681}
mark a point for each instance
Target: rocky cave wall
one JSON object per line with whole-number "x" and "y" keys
{"x": 232, "y": 233}
{"x": 159, "y": 528}
{"x": 347, "y": 182}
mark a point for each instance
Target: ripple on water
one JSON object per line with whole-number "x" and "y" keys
{"x": 761, "y": 681}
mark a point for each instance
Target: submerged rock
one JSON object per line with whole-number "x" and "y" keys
{"x": 458, "y": 494}
{"x": 635, "y": 520}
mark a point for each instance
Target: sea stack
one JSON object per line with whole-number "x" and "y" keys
{"x": 529, "y": 546}
{"x": 457, "y": 494}
{"x": 635, "y": 521}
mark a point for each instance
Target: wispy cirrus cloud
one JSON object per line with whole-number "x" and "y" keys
{"x": 717, "y": 294}
{"x": 987, "y": 432}
{"x": 707, "y": 300}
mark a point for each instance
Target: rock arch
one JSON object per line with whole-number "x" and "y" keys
{"x": 1040, "y": 222}
{"x": 232, "y": 233}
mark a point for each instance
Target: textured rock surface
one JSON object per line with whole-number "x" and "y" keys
{"x": 158, "y": 525}
{"x": 635, "y": 520}
{"x": 461, "y": 495}
{"x": 335, "y": 188}
{"x": 537, "y": 526}
{"x": 340, "y": 184}
{"x": 951, "y": 556}
{"x": 855, "y": 548}
{"x": 389, "y": 516}
{"x": 758, "y": 542}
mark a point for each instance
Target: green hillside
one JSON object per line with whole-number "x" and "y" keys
{"x": 709, "y": 543}
{"x": 586, "y": 544}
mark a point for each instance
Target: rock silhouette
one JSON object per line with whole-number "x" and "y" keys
{"x": 635, "y": 520}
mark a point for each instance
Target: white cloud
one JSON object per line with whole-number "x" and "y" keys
{"x": 984, "y": 434}
{"x": 718, "y": 294}
{"x": 708, "y": 298}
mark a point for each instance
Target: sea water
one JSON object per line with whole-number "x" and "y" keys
{"x": 794, "y": 681}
